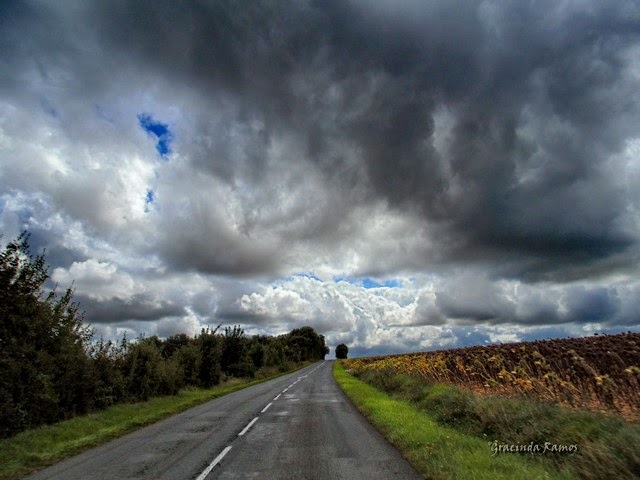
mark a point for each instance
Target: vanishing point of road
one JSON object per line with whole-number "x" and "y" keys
{"x": 298, "y": 426}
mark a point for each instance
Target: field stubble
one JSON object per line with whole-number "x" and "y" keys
{"x": 600, "y": 373}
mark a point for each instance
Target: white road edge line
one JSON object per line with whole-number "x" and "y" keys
{"x": 248, "y": 427}
{"x": 216, "y": 460}
{"x": 265, "y": 408}
{"x": 277, "y": 396}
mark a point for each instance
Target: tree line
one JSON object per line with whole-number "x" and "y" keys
{"x": 52, "y": 368}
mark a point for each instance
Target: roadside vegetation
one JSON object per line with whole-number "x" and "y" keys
{"x": 444, "y": 419}
{"x": 36, "y": 448}
{"x": 52, "y": 369}
{"x": 437, "y": 451}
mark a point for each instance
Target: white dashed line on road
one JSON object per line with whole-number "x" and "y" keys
{"x": 216, "y": 460}
{"x": 246, "y": 429}
{"x": 220, "y": 456}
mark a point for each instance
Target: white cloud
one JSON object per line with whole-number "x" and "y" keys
{"x": 97, "y": 280}
{"x": 504, "y": 201}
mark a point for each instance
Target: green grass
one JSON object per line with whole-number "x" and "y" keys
{"x": 438, "y": 452}
{"x": 34, "y": 449}
{"x": 606, "y": 444}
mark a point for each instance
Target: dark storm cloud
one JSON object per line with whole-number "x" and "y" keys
{"x": 538, "y": 93}
{"x": 197, "y": 238}
{"x": 56, "y": 254}
{"x": 592, "y": 305}
{"x": 474, "y": 302}
{"x": 139, "y": 307}
{"x": 389, "y": 138}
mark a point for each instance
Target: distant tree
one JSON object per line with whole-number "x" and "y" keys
{"x": 324, "y": 350}
{"x": 107, "y": 360}
{"x": 235, "y": 360}
{"x": 305, "y": 344}
{"x": 211, "y": 351}
{"x": 275, "y": 353}
{"x": 257, "y": 354}
{"x": 341, "y": 351}
{"x": 189, "y": 358}
{"x": 174, "y": 343}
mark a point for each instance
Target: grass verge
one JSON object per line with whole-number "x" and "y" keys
{"x": 34, "y": 449}
{"x": 605, "y": 445}
{"x": 438, "y": 452}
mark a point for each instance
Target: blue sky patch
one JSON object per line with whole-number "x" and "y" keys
{"x": 368, "y": 282}
{"x": 148, "y": 199}
{"x": 159, "y": 130}
{"x": 308, "y": 275}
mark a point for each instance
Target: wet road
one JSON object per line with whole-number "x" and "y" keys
{"x": 299, "y": 426}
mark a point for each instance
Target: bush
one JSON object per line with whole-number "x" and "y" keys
{"x": 452, "y": 407}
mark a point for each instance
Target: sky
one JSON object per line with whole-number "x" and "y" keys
{"x": 401, "y": 175}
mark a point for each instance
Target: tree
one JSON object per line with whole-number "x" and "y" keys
{"x": 46, "y": 370}
{"x": 324, "y": 350}
{"x": 107, "y": 360}
{"x": 142, "y": 370}
{"x": 235, "y": 360}
{"x": 257, "y": 354}
{"x": 305, "y": 344}
{"x": 211, "y": 351}
{"x": 341, "y": 351}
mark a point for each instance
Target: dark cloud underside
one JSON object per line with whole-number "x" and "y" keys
{"x": 539, "y": 96}
{"x": 188, "y": 160}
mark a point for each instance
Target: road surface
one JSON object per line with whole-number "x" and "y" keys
{"x": 298, "y": 426}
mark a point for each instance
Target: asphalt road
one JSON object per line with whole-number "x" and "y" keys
{"x": 299, "y": 426}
